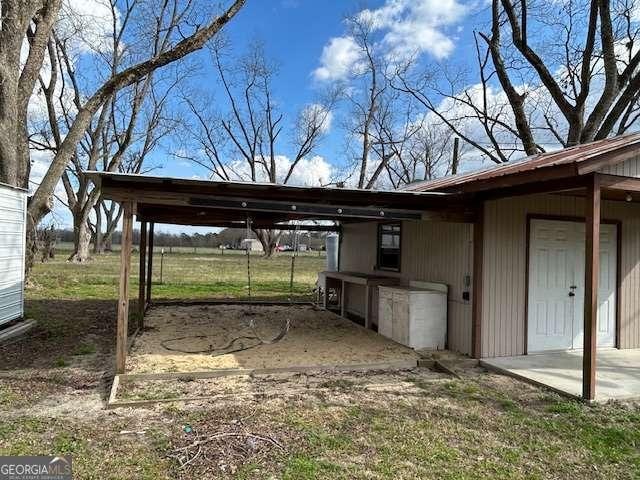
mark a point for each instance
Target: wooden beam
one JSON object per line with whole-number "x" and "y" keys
{"x": 515, "y": 179}
{"x": 564, "y": 184}
{"x": 617, "y": 182}
{"x": 149, "y": 278}
{"x": 123, "y": 292}
{"x": 592, "y": 272}
{"x": 142, "y": 274}
{"x": 261, "y": 203}
{"x": 478, "y": 257}
{"x": 621, "y": 154}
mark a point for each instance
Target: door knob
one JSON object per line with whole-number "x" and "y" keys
{"x": 571, "y": 294}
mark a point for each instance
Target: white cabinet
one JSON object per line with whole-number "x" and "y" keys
{"x": 414, "y": 317}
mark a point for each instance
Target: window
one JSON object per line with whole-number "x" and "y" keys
{"x": 389, "y": 247}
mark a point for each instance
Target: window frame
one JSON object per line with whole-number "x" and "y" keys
{"x": 379, "y": 248}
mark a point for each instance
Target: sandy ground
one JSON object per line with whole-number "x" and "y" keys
{"x": 315, "y": 338}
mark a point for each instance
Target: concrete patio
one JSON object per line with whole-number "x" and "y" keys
{"x": 617, "y": 374}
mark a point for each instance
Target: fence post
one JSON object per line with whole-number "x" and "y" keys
{"x": 161, "y": 264}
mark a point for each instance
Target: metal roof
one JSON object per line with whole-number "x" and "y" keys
{"x": 586, "y": 158}
{"x": 206, "y": 202}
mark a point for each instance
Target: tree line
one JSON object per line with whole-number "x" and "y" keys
{"x": 231, "y": 238}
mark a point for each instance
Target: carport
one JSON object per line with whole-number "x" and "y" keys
{"x": 241, "y": 205}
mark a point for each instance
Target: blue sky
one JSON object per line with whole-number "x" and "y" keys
{"x": 294, "y": 34}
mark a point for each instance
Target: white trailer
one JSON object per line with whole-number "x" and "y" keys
{"x": 13, "y": 216}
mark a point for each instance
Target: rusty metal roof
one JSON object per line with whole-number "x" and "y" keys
{"x": 586, "y": 158}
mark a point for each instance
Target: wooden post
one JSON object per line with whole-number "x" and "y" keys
{"x": 592, "y": 272}
{"x": 142, "y": 273}
{"x": 149, "y": 278}
{"x": 367, "y": 308}
{"x": 478, "y": 255}
{"x": 123, "y": 295}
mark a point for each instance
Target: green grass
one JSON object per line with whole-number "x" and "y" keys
{"x": 455, "y": 434}
{"x": 87, "y": 443}
{"x": 184, "y": 275}
{"x": 85, "y": 349}
{"x": 61, "y": 362}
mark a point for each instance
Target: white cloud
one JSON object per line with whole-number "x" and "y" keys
{"x": 87, "y": 24}
{"x": 309, "y": 172}
{"x": 338, "y": 59}
{"x": 407, "y": 27}
{"x": 316, "y": 113}
{"x": 416, "y": 26}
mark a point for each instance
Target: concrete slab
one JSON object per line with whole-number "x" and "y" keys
{"x": 617, "y": 375}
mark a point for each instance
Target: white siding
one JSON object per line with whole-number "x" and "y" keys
{"x": 431, "y": 251}
{"x": 504, "y": 272}
{"x": 13, "y": 205}
{"x": 628, "y": 168}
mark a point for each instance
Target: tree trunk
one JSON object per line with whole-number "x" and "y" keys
{"x": 108, "y": 239}
{"x": 81, "y": 241}
{"x": 269, "y": 241}
{"x": 31, "y": 245}
{"x": 40, "y": 204}
{"x": 98, "y": 244}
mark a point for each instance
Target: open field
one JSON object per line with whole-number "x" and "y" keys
{"x": 415, "y": 424}
{"x": 181, "y": 275}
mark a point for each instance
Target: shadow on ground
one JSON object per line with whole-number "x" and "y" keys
{"x": 66, "y": 331}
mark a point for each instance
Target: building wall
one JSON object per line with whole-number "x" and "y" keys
{"x": 504, "y": 273}
{"x": 13, "y": 205}
{"x": 629, "y": 168}
{"x": 431, "y": 251}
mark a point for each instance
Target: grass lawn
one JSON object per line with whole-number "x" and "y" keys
{"x": 407, "y": 425}
{"x": 184, "y": 275}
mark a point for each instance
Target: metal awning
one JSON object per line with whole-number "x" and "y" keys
{"x": 227, "y": 204}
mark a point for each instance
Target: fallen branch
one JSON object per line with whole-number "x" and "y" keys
{"x": 215, "y": 436}
{"x": 184, "y": 454}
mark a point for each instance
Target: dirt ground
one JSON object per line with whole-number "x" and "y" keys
{"x": 204, "y": 337}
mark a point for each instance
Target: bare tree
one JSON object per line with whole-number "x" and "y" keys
{"x": 389, "y": 136}
{"x": 34, "y": 21}
{"x": 567, "y": 72}
{"x": 365, "y": 94}
{"x": 115, "y": 131}
{"x": 252, "y": 129}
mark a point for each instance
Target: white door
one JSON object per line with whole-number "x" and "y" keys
{"x": 556, "y": 286}
{"x": 606, "y": 287}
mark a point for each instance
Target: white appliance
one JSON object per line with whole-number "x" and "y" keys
{"x": 414, "y": 315}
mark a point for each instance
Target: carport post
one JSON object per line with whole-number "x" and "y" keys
{"x": 123, "y": 295}
{"x": 150, "y": 264}
{"x": 142, "y": 273}
{"x": 592, "y": 272}
{"x": 476, "y": 295}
